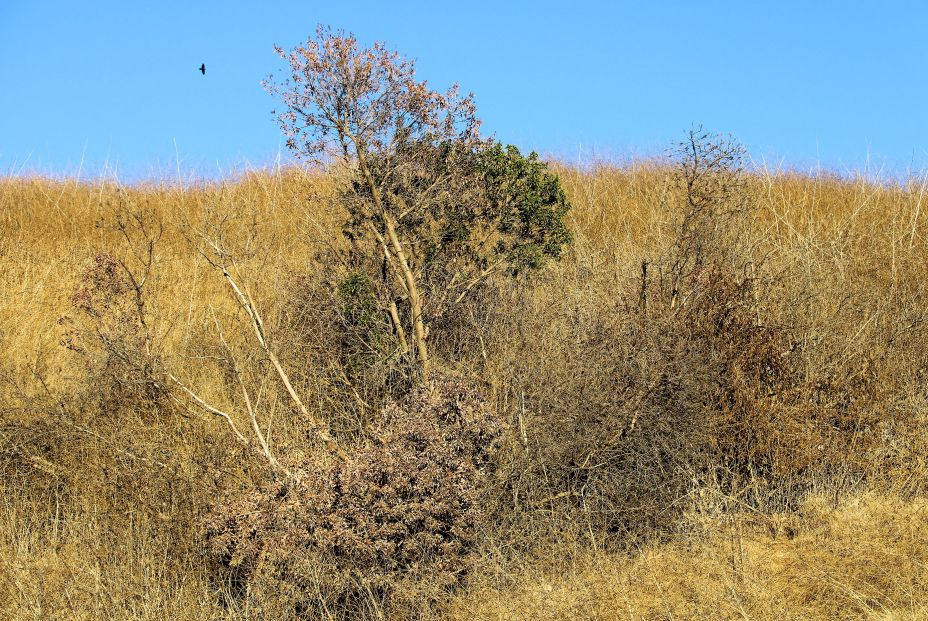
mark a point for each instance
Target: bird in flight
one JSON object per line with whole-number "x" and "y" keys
{"x": 203, "y": 68}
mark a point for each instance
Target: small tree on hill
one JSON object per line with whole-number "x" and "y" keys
{"x": 440, "y": 207}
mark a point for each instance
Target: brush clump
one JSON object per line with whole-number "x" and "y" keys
{"x": 395, "y": 522}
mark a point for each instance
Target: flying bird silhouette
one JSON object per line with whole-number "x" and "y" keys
{"x": 203, "y": 68}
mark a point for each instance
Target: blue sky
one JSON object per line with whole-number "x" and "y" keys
{"x": 114, "y": 85}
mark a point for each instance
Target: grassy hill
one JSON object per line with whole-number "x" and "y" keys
{"x": 741, "y": 438}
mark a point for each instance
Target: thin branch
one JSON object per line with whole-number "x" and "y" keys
{"x": 478, "y": 279}
{"x": 212, "y": 410}
{"x": 252, "y": 415}
{"x": 257, "y": 323}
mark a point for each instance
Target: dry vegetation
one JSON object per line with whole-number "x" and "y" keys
{"x": 712, "y": 411}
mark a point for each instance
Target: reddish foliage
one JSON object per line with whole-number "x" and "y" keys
{"x": 358, "y": 99}
{"x": 403, "y": 508}
{"x": 109, "y": 333}
{"x": 102, "y": 285}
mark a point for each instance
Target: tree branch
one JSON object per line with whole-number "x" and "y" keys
{"x": 212, "y": 410}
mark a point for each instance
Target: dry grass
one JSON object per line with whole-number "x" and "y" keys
{"x": 864, "y": 559}
{"x": 101, "y": 499}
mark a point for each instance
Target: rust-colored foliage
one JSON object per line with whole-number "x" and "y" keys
{"x": 402, "y": 510}
{"x": 108, "y": 330}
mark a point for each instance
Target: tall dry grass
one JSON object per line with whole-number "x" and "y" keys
{"x": 103, "y": 496}
{"x": 861, "y": 559}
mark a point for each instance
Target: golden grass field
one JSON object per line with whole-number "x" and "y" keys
{"x": 100, "y": 503}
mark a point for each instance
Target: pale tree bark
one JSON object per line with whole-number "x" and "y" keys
{"x": 319, "y": 428}
{"x": 419, "y": 331}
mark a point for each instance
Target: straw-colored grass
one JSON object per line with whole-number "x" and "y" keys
{"x": 100, "y": 515}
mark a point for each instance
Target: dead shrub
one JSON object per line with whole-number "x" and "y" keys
{"x": 700, "y": 369}
{"x": 393, "y": 527}
{"x": 108, "y": 330}
{"x": 667, "y": 385}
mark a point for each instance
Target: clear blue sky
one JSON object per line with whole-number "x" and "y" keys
{"x": 805, "y": 83}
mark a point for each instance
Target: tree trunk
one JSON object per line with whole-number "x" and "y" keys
{"x": 415, "y": 299}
